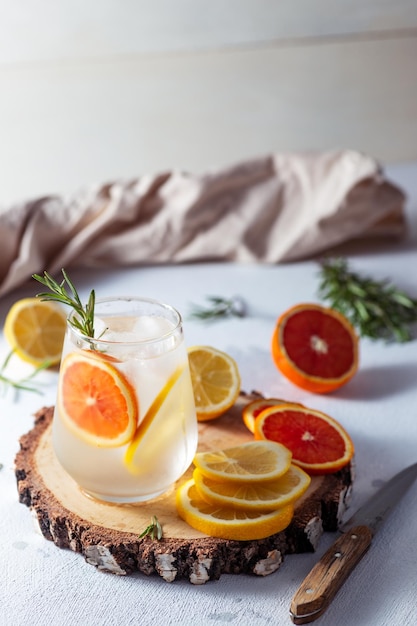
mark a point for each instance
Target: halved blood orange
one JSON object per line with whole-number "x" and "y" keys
{"x": 96, "y": 401}
{"x": 319, "y": 444}
{"x": 252, "y": 410}
{"x": 315, "y": 347}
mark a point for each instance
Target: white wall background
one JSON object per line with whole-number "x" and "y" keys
{"x": 93, "y": 90}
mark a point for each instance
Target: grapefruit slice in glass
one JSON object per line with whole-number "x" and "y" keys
{"x": 96, "y": 401}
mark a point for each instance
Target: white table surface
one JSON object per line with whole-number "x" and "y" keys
{"x": 41, "y": 584}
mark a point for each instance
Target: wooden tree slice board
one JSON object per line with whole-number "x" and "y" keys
{"x": 108, "y": 534}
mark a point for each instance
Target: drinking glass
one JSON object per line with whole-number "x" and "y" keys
{"x": 137, "y": 364}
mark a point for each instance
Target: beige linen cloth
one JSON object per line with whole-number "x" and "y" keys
{"x": 273, "y": 209}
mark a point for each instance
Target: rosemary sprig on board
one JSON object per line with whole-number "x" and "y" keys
{"x": 84, "y": 320}
{"x": 154, "y": 530}
{"x": 377, "y": 309}
{"x": 219, "y": 307}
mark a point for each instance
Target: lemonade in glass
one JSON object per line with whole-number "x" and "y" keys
{"x": 125, "y": 426}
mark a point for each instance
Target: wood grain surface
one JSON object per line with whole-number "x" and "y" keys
{"x": 108, "y": 534}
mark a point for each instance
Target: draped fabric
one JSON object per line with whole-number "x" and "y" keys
{"x": 272, "y": 209}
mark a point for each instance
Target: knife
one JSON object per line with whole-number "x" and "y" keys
{"x": 322, "y": 583}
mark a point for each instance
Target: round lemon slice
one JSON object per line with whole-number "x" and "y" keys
{"x": 35, "y": 330}
{"x": 227, "y": 522}
{"x": 215, "y": 379}
{"x": 258, "y": 496}
{"x": 247, "y": 462}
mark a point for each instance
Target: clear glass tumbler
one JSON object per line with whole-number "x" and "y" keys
{"x": 125, "y": 426}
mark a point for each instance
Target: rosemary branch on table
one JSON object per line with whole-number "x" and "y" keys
{"x": 377, "y": 309}
{"x": 23, "y": 383}
{"x": 84, "y": 320}
{"x": 219, "y": 307}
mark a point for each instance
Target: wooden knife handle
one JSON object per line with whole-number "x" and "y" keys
{"x": 328, "y": 575}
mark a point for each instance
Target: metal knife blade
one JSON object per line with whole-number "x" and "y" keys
{"x": 380, "y": 505}
{"x": 327, "y": 576}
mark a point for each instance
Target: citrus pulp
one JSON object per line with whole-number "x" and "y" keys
{"x": 315, "y": 347}
{"x": 318, "y": 443}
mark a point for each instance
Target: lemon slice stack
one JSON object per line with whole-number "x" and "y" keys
{"x": 242, "y": 493}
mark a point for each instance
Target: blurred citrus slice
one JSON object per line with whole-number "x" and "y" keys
{"x": 252, "y": 410}
{"x": 215, "y": 379}
{"x": 315, "y": 347}
{"x": 150, "y": 415}
{"x": 35, "y": 330}
{"x": 246, "y": 462}
{"x": 254, "y": 496}
{"x": 96, "y": 401}
{"x": 228, "y": 522}
{"x": 319, "y": 444}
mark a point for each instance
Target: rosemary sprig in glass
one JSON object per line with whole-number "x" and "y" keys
{"x": 154, "y": 530}
{"x": 377, "y": 309}
{"x": 219, "y": 307}
{"x": 84, "y": 320}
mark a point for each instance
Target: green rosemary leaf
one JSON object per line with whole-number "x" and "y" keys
{"x": 377, "y": 309}
{"x": 43, "y": 366}
{"x": 19, "y": 385}
{"x": 154, "y": 530}
{"x": 402, "y": 299}
{"x": 362, "y": 311}
{"x": 356, "y": 289}
{"x": 22, "y": 384}
{"x": 219, "y": 307}
{"x": 71, "y": 286}
{"x": 6, "y": 361}
{"x": 84, "y": 320}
